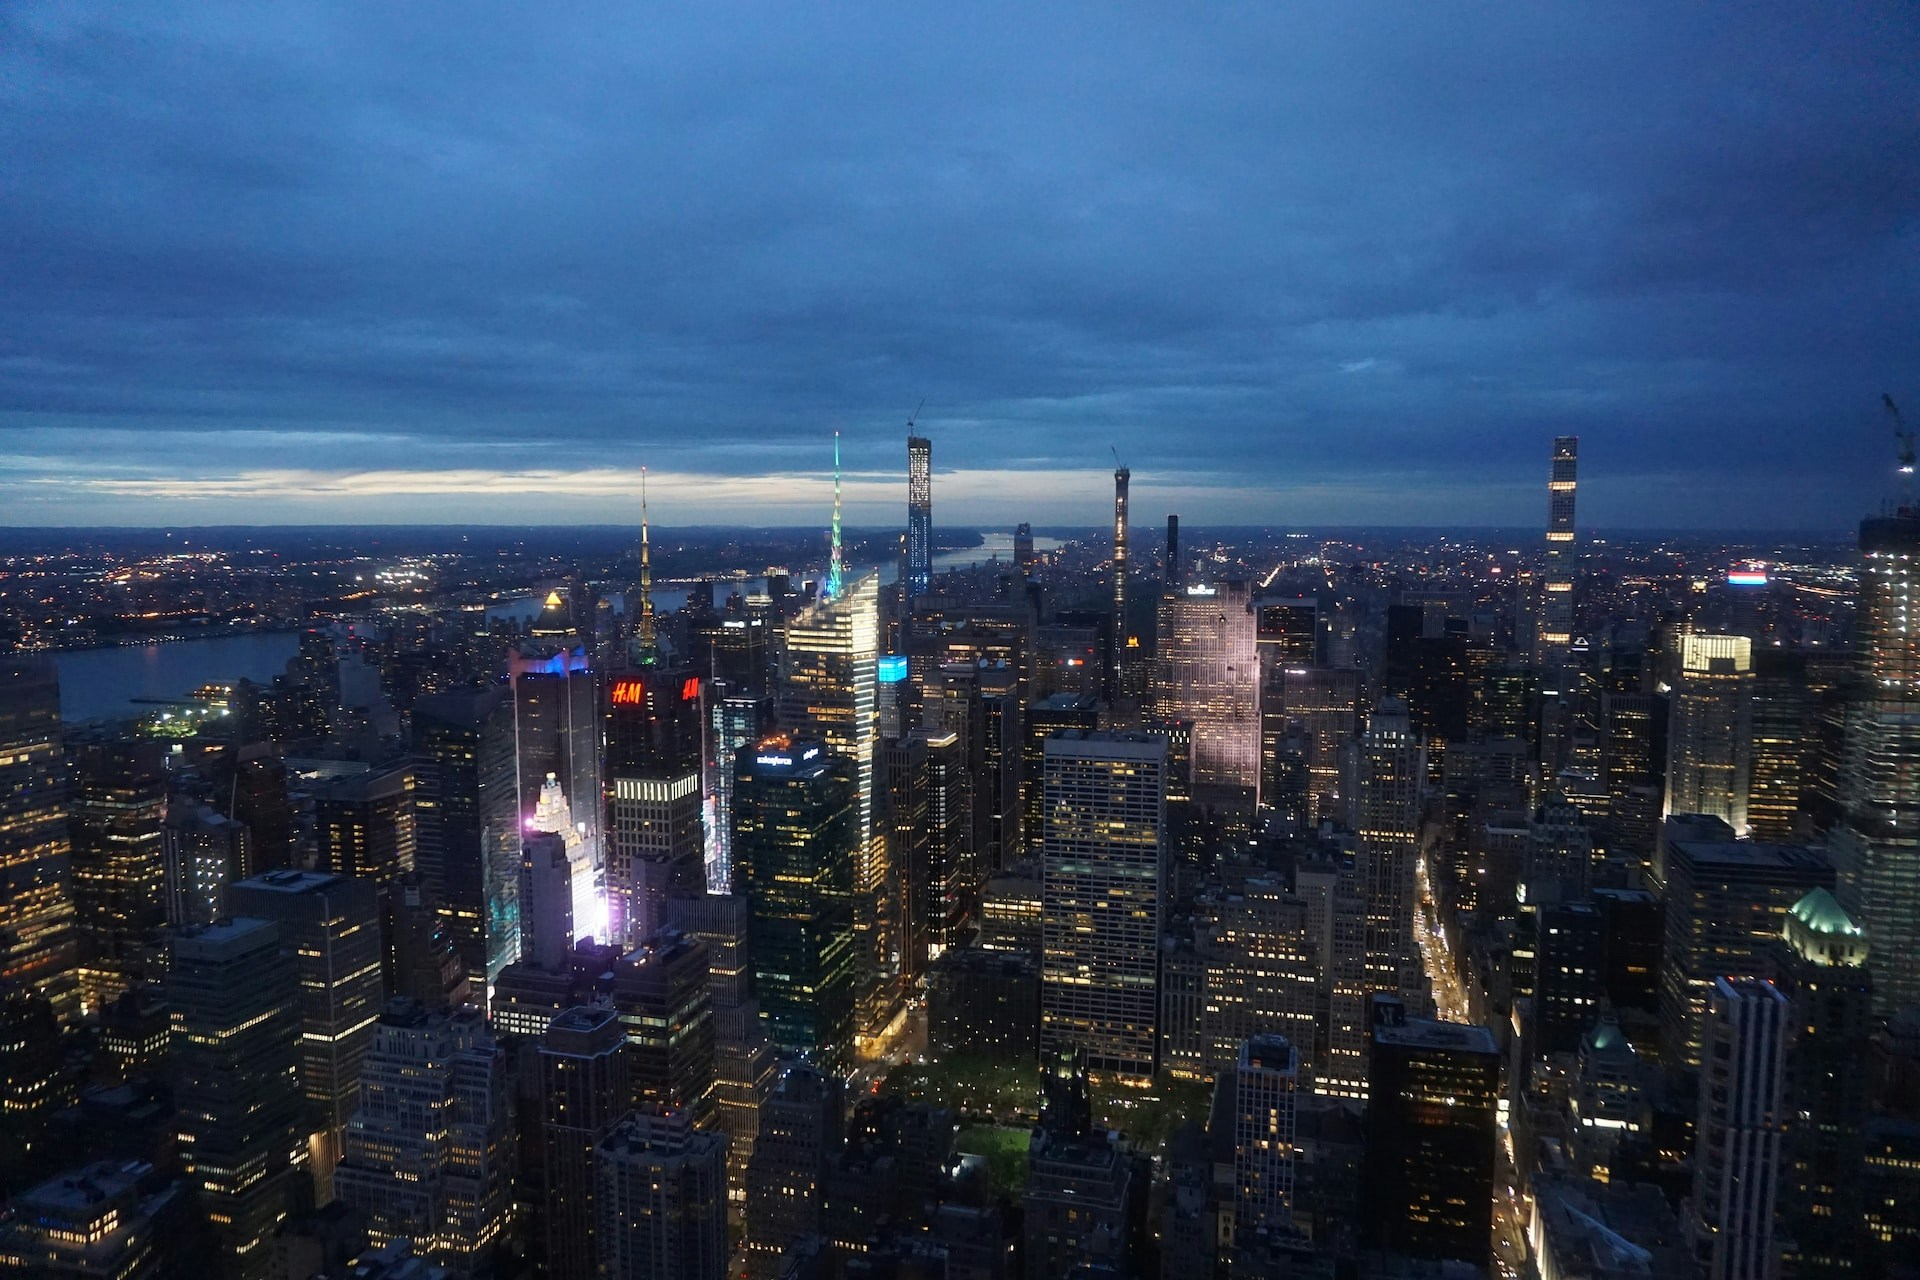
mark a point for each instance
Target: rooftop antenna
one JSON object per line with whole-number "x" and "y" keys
{"x": 836, "y": 564}
{"x": 649, "y": 640}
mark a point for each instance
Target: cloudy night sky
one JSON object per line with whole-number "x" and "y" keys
{"x": 1299, "y": 263}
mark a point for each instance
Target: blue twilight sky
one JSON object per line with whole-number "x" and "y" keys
{"x": 1300, "y": 262}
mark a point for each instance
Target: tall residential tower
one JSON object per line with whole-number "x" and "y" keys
{"x": 1876, "y": 846}
{"x": 919, "y": 515}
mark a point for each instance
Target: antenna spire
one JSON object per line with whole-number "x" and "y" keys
{"x": 837, "y": 564}
{"x": 648, "y": 637}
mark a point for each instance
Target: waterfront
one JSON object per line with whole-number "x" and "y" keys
{"x": 98, "y": 684}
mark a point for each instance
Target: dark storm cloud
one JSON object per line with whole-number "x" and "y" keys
{"x": 1325, "y": 262}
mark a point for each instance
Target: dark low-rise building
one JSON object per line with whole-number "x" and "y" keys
{"x": 984, "y": 1002}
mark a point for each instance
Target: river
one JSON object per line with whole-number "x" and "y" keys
{"x": 99, "y": 684}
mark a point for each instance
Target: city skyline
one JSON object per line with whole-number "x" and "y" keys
{"x": 1306, "y": 269}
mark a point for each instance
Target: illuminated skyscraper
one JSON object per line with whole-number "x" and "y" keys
{"x": 1391, "y": 768}
{"x": 1326, "y": 702}
{"x": 829, "y": 692}
{"x": 1710, "y": 733}
{"x": 1117, "y": 643}
{"x": 1103, "y": 865}
{"x": 1736, "y": 1164}
{"x": 557, "y": 733}
{"x": 656, "y": 843}
{"x": 236, "y": 1041}
{"x": 331, "y": 926}
{"x": 38, "y": 940}
{"x": 919, "y": 515}
{"x": 1876, "y": 845}
{"x": 429, "y": 1149}
{"x": 1556, "y": 611}
{"x": 1209, "y": 673}
{"x": 796, "y": 826}
{"x": 467, "y": 824}
{"x": 364, "y": 825}
{"x": 119, "y": 871}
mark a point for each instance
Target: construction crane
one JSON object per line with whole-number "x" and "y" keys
{"x": 1117, "y": 464}
{"x": 912, "y": 417}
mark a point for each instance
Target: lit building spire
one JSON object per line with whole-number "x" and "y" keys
{"x": 837, "y": 565}
{"x": 649, "y": 640}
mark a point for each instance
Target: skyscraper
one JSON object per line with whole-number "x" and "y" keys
{"x": 796, "y": 827}
{"x": 546, "y": 901}
{"x": 1736, "y": 1163}
{"x": 201, "y": 852}
{"x": 1391, "y": 767}
{"x": 656, "y": 844}
{"x": 1820, "y": 966}
{"x": 1710, "y": 734}
{"x": 1553, "y": 635}
{"x": 1103, "y": 861}
{"x": 1432, "y": 1113}
{"x": 1726, "y": 903}
{"x": 1263, "y": 1140}
{"x": 662, "y": 1199}
{"x": 1173, "y": 574}
{"x": 662, "y": 993}
{"x": 1876, "y": 845}
{"x": 583, "y": 1093}
{"x": 467, "y": 823}
{"x": 1117, "y": 641}
{"x": 1326, "y": 702}
{"x": 919, "y": 515}
{"x": 236, "y": 1041}
{"x": 364, "y": 825}
{"x": 1209, "y": 673}
{"x": 1556, "y": 612}
{"x": 829, "y": 692}
{"x": 557, "y": 730}
{"x": 331, "y": 926}
{"x": 38, "y": 939}
{"x": 429, "y": 1149}
{"x": 119, "y": 869}
{"x": 744, "y": 1071}
{"x": 800, "y": 1130}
